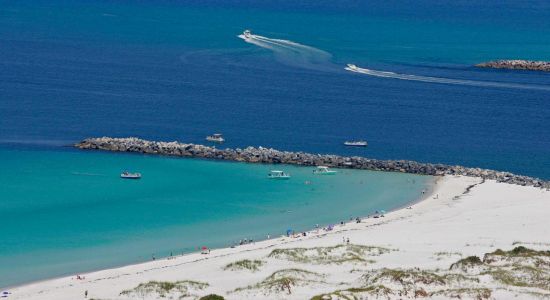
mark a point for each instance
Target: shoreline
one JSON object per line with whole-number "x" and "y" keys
{"x": 470, "y": 216}
{"x": 287, "y": 239}
{"x": 311, "y": 233}
{"x": 416, "y": 200}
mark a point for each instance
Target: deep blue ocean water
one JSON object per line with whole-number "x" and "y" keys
{"x": 177, "y": 70}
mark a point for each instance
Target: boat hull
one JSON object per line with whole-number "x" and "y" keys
{"x": 214, "y": 140}
{"x": 325, "y": 173}
{"x": 130, "y": 176}
{"x": 279, "y": 177}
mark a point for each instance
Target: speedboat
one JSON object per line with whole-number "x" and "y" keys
{"x": 322, "y": 170}
{"x": 128, "y": 175}
{"x": 356, "y": 143}
{"x": 352, "y": 66}
{"x": 247, "y": 34}
{"x": 276, "y": 174}
{"x": 216, "y": 138}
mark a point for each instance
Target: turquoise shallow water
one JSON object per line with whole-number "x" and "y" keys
{"x": 66, "y": 211}
{"x": 175, "y": 70}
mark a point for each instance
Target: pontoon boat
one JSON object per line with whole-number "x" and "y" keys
{"x": 275, "y": 174}
{"x": 322, "y": 170}
{"x": 216, "y": 138}
{"x": 128, "y": 175}
{"x": 356, "y": 143}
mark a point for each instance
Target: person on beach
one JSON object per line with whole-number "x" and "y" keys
{"x": 86, "y": 294}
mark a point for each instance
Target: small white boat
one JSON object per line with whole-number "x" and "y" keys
{"x": 247, "y": 34}
{"x": 322, "y": 170}
{"x": 356, "y": 143}
{"x": 216, "y": 138}
{"x": 276, "y": 174}
{"x": 128, "y": 175}
{"x": 352, "y": 66}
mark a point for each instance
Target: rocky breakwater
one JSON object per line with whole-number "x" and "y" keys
{"x": 272, "y": 156}
{"x": 517, "y": 64}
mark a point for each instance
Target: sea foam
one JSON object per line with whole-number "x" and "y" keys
{"x": 442, "y": 80}
{"x": 292, "y": 53}
{"x": 299, "y": 55}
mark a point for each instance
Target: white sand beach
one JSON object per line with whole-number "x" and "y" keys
{"x": 407, "y": 253}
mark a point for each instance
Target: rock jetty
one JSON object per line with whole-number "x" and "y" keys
{"x": 517, "y": 64}
{"x": 272, "y": 156}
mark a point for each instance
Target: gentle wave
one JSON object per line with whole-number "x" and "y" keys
{"x": 293, "y": 53}
{"x": 442, "y": 80}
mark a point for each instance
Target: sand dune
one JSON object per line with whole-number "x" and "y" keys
{"x": 406, "y": 254}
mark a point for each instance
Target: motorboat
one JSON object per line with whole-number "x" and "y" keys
{"x": 247, "y": 34}
{"x": 216, "y": 138}
{"x": 128, "y": 175}
{"x": 276, "y": 174}
{"x": 356, "y": 143}
{"x": 352, "y": 67}
{"x": 322, "y": 170}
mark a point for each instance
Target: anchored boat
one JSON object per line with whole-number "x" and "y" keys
{"x": 215, "y": 138}
{"x": 322, "y": 170}
{"x": 356, "y": 143}
{"x": 128, "y": 175}
{"x": 276, "y": 174}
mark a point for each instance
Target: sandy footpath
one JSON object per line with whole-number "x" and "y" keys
{"x": 406, "y": 254}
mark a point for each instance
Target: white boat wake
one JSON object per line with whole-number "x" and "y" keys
{"x": 292, "y": 53}
{"x": 430, "y": 79}
{"x": 295, "y": 54}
